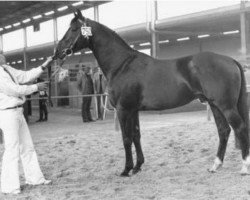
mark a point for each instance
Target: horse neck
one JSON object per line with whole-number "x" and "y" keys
{"x": 110, "y": 52}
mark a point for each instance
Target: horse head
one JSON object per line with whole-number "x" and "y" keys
{"x": 76, "y": 37}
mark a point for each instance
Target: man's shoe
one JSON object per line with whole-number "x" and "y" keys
{"x": 47, "y": 182}
{"x": 44, "y": 182}
{"x": 40, "y": 120}
{"x": 17, "y": 191}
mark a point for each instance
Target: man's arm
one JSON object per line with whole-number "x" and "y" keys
{"x": 8, "y": 87}
{"x": 29, "y": 76}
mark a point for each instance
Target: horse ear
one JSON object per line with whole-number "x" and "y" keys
{"x": 79, "y": 13}
{"x": 75, "y": 13}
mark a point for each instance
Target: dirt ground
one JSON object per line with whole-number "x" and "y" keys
{"x": 84, "y": 160}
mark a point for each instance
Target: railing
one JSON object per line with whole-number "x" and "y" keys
{"x": 103, "y": 104}
{"x": 209, "y": 113}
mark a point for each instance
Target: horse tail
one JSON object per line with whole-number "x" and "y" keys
{"x": 242, "y": 105}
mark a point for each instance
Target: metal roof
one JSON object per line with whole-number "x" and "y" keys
{"x": 213, "y": 22}
{"x": 12, "y": 12}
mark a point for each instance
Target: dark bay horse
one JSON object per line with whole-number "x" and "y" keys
{"x": 140, "y": 82}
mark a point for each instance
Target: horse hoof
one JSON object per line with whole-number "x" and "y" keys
{"x": 136, "y": 170}
{"x": 212, "y": 171}
{"x": 124, "y": 174}
{"x": 244, "y": 172}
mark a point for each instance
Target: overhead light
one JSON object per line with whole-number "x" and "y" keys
{"x": 1, "y": 29}
{"x": 77, "y": 53}
{"x": 88, "y": 52}
{"x": 8, "y": 63}
{"x": 7, "y": 27}
{"x": 132, "y": 46}
{"x": 231, "y": 32}
{"x": 37, "y": 17}
{"x": 77, "y": 3}
{"x": 163, "y": 41}
{"x": 49, "y": 13}
{"x": 26, "y": 20}
{"x": 13, "y": 63}
{"x": 42, "y": 58}
{"x": 203, "y": 36}
{"x": 145, "y": 44}
{"x": 33, "y": 59}
{"x": 19, "y": 61}
{"x": 16, "y": 24}
{"x": 62, "y": 8}
{"x": 183, "y": 39}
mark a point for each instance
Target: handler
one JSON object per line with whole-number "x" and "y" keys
{"x": 17, "y": 140}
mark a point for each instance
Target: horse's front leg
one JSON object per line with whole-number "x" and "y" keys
{"x": 125, "y": 119}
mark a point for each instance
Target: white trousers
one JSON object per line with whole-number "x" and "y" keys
{"x": 18, "y": 144}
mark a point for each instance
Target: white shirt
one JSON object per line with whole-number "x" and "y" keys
{"x": 11, "y": 93}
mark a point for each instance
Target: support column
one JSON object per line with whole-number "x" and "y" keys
{"x": 154, "y": 35}
{"x": 244, "y": 30}
{"x": 96, "y": 13}
{"x": 55, "y": 31}
{"x": 96, "y": 18}
{"x": 1, "y": 44}
{"x": 25, "y": 57}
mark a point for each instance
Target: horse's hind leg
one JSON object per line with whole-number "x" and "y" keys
{"x": 137, "y": 143}
{"x": 223, "y": 131}
{"x": 241, "y": 133}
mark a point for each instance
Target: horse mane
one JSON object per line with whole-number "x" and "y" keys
{"x": 114, "y": 34}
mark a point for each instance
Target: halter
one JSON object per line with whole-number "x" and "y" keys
{"x": 85, "y": 32}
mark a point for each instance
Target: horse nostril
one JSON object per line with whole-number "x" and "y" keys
{"x": 68, "y": 52}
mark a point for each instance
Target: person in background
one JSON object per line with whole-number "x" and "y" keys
{"x": 25, "y": 111}
{"x": 99, "y": 87}
{"x": 85, "y": 86}
{"x": 18, "y": 143}
{"x": 43, "y": 111}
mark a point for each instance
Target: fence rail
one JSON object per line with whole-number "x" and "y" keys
{"x": 105, "y": 104}
{"x": 69, "y": 96}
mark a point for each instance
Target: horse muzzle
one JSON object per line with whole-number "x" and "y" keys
{"x": 63, "y": 54}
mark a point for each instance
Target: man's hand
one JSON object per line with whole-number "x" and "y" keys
{"x": 47, "y": 62}
{"x": 42, "y": 85}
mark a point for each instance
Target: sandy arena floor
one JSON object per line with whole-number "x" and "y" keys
{"x": 84, "y": 160}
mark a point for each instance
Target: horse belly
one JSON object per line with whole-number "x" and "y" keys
{"x": 158, "y": 98}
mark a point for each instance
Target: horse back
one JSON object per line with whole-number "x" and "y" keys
{"x": 152, "y": 84}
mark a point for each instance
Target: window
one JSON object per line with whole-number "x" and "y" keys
{"x": 146, "y": 51}
{"x": 64, "y": 21}
{"x": 177, "y": 8}
{"x": 13, "y": 40}
{"x": 129, "y": 12}
{"x": 45, "y": 34}
{"x": 63, "y": 25}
